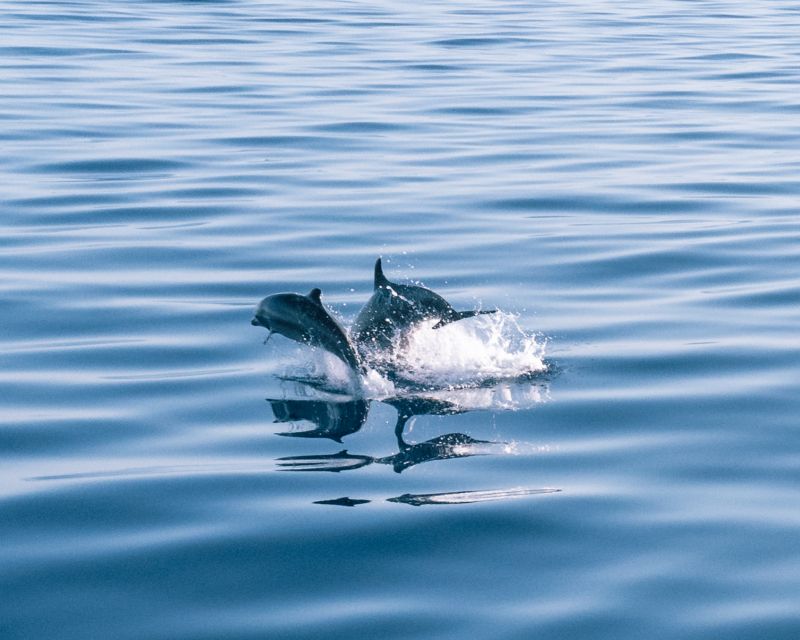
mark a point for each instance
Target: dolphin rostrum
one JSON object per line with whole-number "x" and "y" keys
{"x": 394, "y": 308}
{"x": 304, "y": 319}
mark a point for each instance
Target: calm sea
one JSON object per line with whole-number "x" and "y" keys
{"x": 621, "y": 180}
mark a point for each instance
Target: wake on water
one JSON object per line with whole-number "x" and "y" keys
{"x": 486, "y": 361}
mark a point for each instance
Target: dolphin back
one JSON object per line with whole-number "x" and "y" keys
{"x": 395, "y": 308}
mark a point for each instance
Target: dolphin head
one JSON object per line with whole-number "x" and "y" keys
{"x": 260, "y": 319}
{"x": 268, "y": 309}
{"x": 288, "y": 314}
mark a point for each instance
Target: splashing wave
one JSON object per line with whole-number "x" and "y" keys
{"x": 475, "y": 354}
{"x": 470, "y": 352}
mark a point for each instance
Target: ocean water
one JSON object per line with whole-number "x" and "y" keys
{"x": 615, "y": 454}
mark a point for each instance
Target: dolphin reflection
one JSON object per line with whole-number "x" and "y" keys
{"x": 333, "y": 420}
{"x": 450, "y": 497}
{"x": 444, "y": 447}
{"x": 336, "y": 419}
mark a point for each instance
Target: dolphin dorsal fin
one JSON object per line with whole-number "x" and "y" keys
{"x": 380, "y": 279}
{"x": 314, "y": 296}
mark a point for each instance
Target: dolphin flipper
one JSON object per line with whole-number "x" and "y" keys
{"x": 461, "y": 315}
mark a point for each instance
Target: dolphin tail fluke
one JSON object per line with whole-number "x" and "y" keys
{"x": 461, "y": 315}
{"x": 380, "y": 279}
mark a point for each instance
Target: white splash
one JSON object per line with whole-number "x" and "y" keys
{"x": 468, "y": 352}
{"x": 485, "y": 362}
{"x": 375, "y": 386}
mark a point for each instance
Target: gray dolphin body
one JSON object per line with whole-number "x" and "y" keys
{"x": 395, "y": 308}
{"x": 304, "y": 319}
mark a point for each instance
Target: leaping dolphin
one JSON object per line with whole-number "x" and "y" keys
{"x": 304, "y": 319}
{"x": 395, "y": 308}
{"x": 392, "y": 310}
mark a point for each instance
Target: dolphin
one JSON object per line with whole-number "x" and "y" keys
{"x": 304, "y": 319}
{"x": 394, "y": 308}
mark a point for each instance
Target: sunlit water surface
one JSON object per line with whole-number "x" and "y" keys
{"x": 621, "y": 181}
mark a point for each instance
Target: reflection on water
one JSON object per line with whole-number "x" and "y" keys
{"x": 332, "y": 420}
{"x": 467, "y": 497}
{"x": 343, "y": 502}
{"x": 335, "y": 419}
{"x": 450, "y": 445}
{"x": 456, "y": 497}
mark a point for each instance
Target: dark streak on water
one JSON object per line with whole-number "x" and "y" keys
{"x": 624, "y": 178}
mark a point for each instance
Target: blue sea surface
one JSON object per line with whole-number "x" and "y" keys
{"x": 620, "y": 180}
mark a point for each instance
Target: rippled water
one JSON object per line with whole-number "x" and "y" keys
{"x": 622, "y": 180}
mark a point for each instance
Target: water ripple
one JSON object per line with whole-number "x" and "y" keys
{"x": 619, "y": 180}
